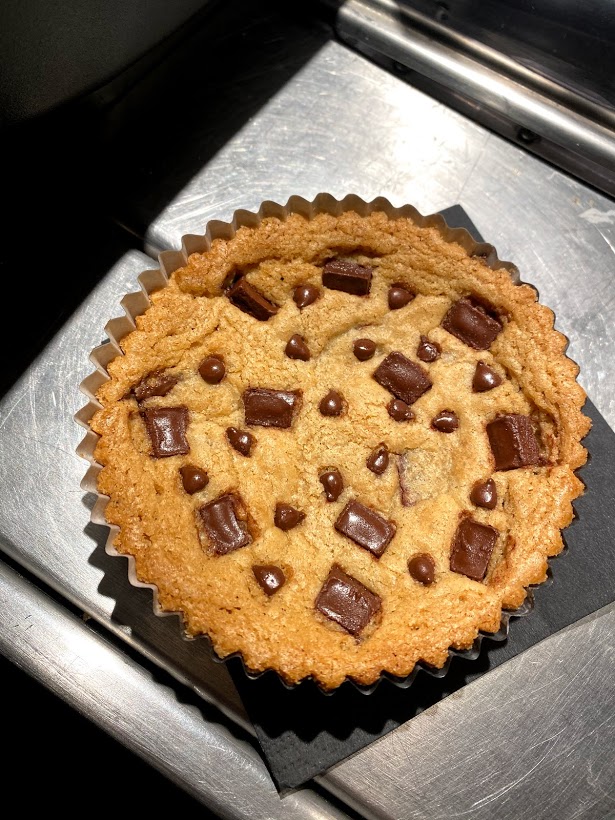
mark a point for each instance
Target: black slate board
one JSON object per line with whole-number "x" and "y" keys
{"x": 303, "y": 732}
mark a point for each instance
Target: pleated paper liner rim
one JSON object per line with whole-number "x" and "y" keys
{"x": 136, "y": 303}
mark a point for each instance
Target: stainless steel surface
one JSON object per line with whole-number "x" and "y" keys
{"x": 102, "y": 683}
{"x": 533, "y": 738}
{"x": 313, "y": 136}
{"x": 586, "y": 146}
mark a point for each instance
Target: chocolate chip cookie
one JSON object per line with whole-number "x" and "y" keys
{"x": 340, "y": 445}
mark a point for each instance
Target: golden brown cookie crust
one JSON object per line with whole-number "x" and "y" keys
{"x": 218, "y": 595}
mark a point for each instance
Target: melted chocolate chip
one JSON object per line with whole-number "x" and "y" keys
{"x": 270, "y": 408}
{"x": 270, "y": 578}
{"x": 446, "y": 421}
{"x": 212, "y": 369}
{"x": 156, "y": 384}
{"x": 485, "y": 378}
{"x": 347, "y": 601}
{"x": 378, "y": 460}
{"x": 240, "y": 440}
{"x": 287, "y": 517}
{"x": 332, "y": 404}
{"x": 428, "y": 351}
{"x": 305, "y": 295}
{"x": 484, "y": 494}
{"x": 513, "y": 442}
{"x": 471, "y": 324}
{"x": 296, "y": 348}
{"x": 406, "y": 380}
{"x": 365, "y": 527}
{"x": 363, "y": 349}
{"x": 193, "y": 478}
{"x": 244, "y": 296}
{"x": 422, "y": 569}
{"x": 472, "y": 547}
{"x": 166, "y": 427}
{"x": 333, "y": 483}
{"x": 399, "y": 410}
{"x": 224, "y": 530}
{"x": 399, "y": 297}
{"x": 346, "y": 275}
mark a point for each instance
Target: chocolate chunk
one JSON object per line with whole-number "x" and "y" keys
{"x": 472, "y": 548}
{"x": 365, "y": 527}
{"x": 269, "y": 577}
{"x": 156, "y": 384}
{"x": 513, "y": 442}
{"x": 212, "y": 369}
{"x": 364, "y": 349}
{"x": 471, "y": 324}
{"x": 485, "y": 378}
{"x": 484, "y": 494}
{"x": 244, "y": 296}
{"x": 406, "y": 380}
{"x": 296, "y": 348}
{"x": 346, "y": 275}
{"x": 333, "y": 483}
{"x": 422, "y": 569}
{"x": 332, "y": 404}
{"x": 428, "y": 351}
{"x": 399, "y": 410}
{"x": 446, "y": 421}
{"x": 240, "y": 440}
{"x": 378, "y": 460}
{"x": 347, "y": 601}
{"x": 225, "y": 531}
{"x": 166, "y": 427}
{"x": 193, "y": 478}
{"x": 399, "y": 297}
{"x": 287, "y": 517}
{"x": 305, "y": 295}
{"x": 270, "y": 408}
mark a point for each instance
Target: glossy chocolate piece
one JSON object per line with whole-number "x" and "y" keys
{"x": 305, "y": 295}
{"x": 332, "y": 404}
{"x": 347, "y": 601}
{"x": 378, "y": 460}
{"x": 484, "y": 494}
{"x": 166, "y": 427}
{"x": 156, "y": 384}
{"x": 240, "y": 440}
{"x": 406, "y": 380}
{"x": 270, "y": 578}
{"x": 398, "y": 410}
{"x": 193, "y": 478}
{"x": 287, "y": 517}
{"x": 399, "y": 297}
{"x": 428, "y": 351}
{"x": 445, "y": 422}
{"x": 422, "y": 568}
{"x": 296, "y": 348}
{"x": 349, "y": 276}
{"x": 513, "y": 442}
{"x": 212, "y": 369}
{"x": 485, "y": 378}
{"x": 333, "y": 484}
{"x": 472, "y": 547}
{"x": 363, "y": 349}
{"x": 270, "y": 408}
{"x": 225, "y": 531}
{"x": 365, "y": 527}
{"x": 245, "y": 296}
{"x": 471, "y": 324}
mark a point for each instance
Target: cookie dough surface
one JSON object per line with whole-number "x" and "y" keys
{"x": 282, "y": 597}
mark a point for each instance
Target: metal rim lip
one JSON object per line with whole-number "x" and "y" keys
{"x": 136, "y": 303}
